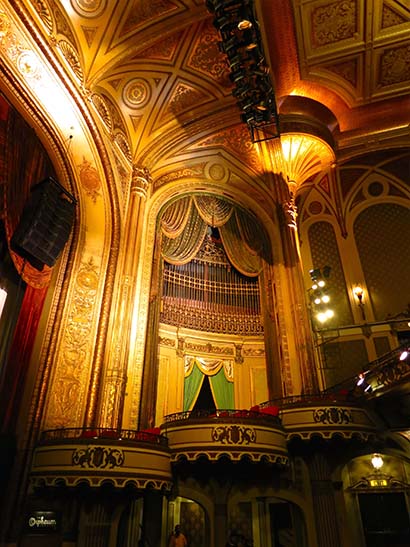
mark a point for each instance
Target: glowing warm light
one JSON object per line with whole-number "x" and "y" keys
{"x": 325, "y": 298}
{"x": 329, "y": 313}
{"x": 358, "y": 292}
{"x": 321, "y": 283}
{"x": 403, "y": 355}
{"x": 377, "y": 461}
{"x": 360, "y": 380}
{"x": 322, "y": 317}
{"x": 3, "y": 297}
{"x": 304, "y": 155}
{"x": 314, "y": 286}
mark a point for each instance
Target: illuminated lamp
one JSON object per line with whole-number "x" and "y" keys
{"x": 377, "y": 461}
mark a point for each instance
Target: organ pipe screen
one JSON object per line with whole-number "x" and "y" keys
{"x": 209, "y": 294}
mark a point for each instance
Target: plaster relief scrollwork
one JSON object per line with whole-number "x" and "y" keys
{"x": 332, "y": 415}
{"x": 69, "y": 381}
{"x": 44, "y": 13}
{"x": 395, "y": 66}
{"x": 233, "y": 434}
{"x": 98, "y": 457}
{"x": 334, "y": 22}
{"x": 89, "y": 8}
{"x": 71, "y": 56}
{"x": 90, "y": 179}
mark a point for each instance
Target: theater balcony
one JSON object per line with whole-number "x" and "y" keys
{"x": 123, "y": 458}
{"x": 234, "y": 435}
{"x": 326, "y": 416}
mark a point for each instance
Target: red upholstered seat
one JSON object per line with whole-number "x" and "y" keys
{"x": 255, "y": 408}
{"x": 271, "y": 410}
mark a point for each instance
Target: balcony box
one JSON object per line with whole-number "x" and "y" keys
{"x": 231, "y": 434}
{"x": 97, "y": 456}
{"x": 326, "y": 416}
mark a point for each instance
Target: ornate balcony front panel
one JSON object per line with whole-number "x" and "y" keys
{"x": 92, "y": 456}
{"x": 231, "y": 434}
{"x": 326, "y": 416}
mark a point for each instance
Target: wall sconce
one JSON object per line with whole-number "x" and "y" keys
{"x": 358, "y": 292}
{"x": 377, "y": 461}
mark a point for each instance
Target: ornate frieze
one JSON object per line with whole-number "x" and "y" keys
{"x": 332, "y": 415}
{"x": 234, "y": 434}
{"x": 100, "y": 457}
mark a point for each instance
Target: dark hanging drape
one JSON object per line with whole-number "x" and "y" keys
{"x": 24, "y": 163}
{"x": 184, "y": 226}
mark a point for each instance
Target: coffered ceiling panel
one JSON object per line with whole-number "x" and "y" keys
{"x": 358, "y": 48}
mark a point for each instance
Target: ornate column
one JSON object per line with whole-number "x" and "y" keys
{"x": 302, "y": 151}
{"x": 115, "y": 379}
{"x": 324, "y": 504}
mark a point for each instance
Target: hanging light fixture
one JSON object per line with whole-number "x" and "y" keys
{"x": 377, "y": 461}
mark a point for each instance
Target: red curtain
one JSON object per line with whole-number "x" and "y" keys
{"x": 19, "y": 355}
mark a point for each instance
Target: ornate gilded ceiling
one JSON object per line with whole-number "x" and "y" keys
{"x": 159, "y": 85}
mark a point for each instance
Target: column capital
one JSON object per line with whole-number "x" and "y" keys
{"x": 140, "y": 181}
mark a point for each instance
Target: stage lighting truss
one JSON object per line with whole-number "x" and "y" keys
{"x": 242, "y": 45}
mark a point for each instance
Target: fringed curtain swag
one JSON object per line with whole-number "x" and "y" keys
{"x": 185, "y": 223}
{"x": 220, "y": 374}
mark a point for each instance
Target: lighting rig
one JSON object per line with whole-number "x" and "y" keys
{"x": 242, "y": 43}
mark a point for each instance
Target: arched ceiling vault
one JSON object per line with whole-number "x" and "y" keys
{"x": 158, "y": 84}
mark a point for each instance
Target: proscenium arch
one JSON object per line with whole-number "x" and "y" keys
{"x": 149, "y": 369}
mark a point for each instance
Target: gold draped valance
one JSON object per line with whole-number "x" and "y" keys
{"x": 185, "y": 222}
{"x": 208, "y": 366}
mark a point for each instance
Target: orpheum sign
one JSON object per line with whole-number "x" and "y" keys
{"x": 42, "y": 521}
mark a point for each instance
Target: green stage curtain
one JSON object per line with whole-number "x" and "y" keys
{"x": 192, "y": 387}
{"x": 222, "y": 390}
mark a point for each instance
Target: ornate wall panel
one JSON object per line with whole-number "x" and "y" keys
{"x": 382, "y": 233}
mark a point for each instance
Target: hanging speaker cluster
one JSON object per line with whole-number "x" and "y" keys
{"x": 45, "y": 224}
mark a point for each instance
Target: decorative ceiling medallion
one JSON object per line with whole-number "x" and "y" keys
{"x": 334, "y": 22}
{"x": 217, "y": 172}
{"x": 136, "y": 93}
{"x": 395, "y": 65}
{"x": 28, "y": 65}
{"x": 315, "y": 208}
{"x": 89, "y": 8}
{"x": 207, "y": 57}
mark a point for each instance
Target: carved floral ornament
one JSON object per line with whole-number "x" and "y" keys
{"x": 234, "y": 434}
{"x": 332, "y": 416}
{"x": 98, "y": 457}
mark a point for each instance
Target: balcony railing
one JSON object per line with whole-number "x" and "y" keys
{"x": 271, "y": 416}
{"x": 87, "y": 434}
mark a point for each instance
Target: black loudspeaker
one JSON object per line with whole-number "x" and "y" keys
{"x": 45, "y": 224}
